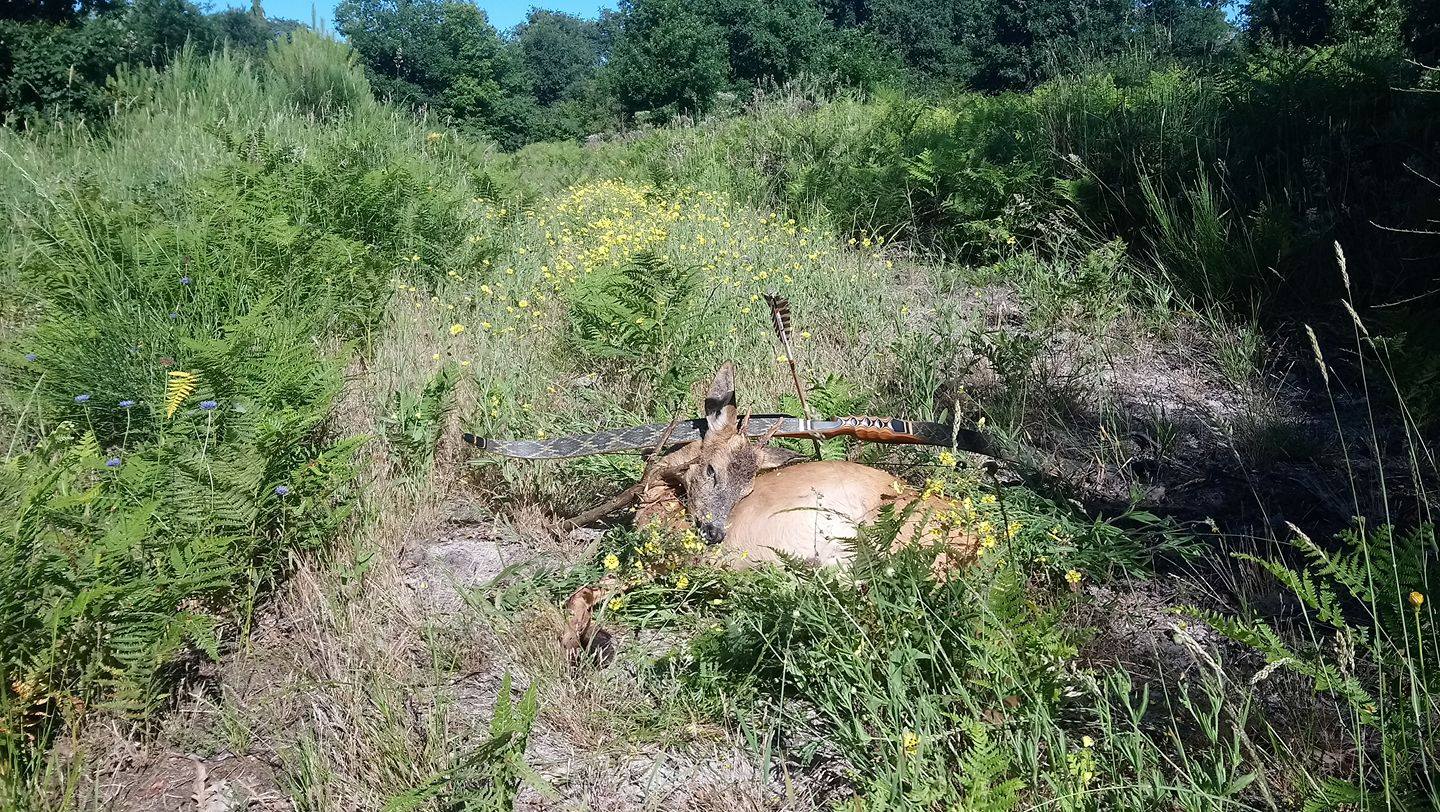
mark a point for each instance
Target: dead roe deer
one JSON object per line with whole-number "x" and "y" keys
{"x": 756, "y": 502}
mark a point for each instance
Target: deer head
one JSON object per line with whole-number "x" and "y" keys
{"x": 719, "y": 470}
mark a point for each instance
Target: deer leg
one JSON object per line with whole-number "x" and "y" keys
{"x": 580, "y": 635}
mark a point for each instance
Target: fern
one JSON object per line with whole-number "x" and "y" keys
{"x": 642, "y": 315}
{"x": 178, "y": 388}
{"x": 1372, "y": 661}
{"x": 831, "y": 397}
{"x": 629, "y": 311}
{"x": 87, "y": 447}
{"x": 1306, "y": 585}
{"x": 1334, "y": 795}
{"x": 982, "y": 769}
{"x": 415, "y": 422}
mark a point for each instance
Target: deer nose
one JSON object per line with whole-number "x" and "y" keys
{"x": 712, "y": 532}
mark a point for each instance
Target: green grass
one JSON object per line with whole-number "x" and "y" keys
{"x": 144, "y": 519}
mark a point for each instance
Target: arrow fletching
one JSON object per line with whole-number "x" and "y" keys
{"x": 780, "y": 318}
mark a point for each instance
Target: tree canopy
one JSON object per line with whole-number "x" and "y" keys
{"x": 56, "y": 55}
{"x": 557, "y": 75}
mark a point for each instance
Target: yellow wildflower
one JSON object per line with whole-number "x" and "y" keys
{"x": 682, "y": 582}
{"x": 948, "y": 459}
{"x": 1417, "y": 600}
{"x": 612, "y": 562}
{"x": 457, "y": 329}
{"x": 910, "y": 742}
{"x": 1073, "y": 577}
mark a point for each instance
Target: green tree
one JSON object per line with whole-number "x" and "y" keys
{"x": 55, "y": 56}
{"x": 939, "y": 40}
{"x": 161, "y": 27}
{"x": 856, "y": 57}
{"x": 1032, "y": 40}
{"x": 1288, "y": 22}
{"x": 845, "y": 14}
{"x": 1190, "y": 30}
{"x": 768, "y": 40}
{"x": 56, "y": 11}
{"x": 443, "y": 55}
{"x": 560, "y": 54}
{"x": 1385, "y": 24}
{"x": 667, "y": 57}
{"x": 1422, "y": 31}
{"x": 249, "y": 29}
{"x": 1001, "y": 44}
{"x": 50, "y": 69}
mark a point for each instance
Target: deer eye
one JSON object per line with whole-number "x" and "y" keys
{"x": 710, "y": 472}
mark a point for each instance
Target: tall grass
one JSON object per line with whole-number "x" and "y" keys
{"x": 1279, "y": 156}
{"x": 194, "y": 282}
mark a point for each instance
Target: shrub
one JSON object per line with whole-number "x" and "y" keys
{"x": 316, "y": 73}
{"x": 58, "y": 69}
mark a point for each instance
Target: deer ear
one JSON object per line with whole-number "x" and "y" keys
{"x": 720, "y": 401}
{"x": 770, "y": 457}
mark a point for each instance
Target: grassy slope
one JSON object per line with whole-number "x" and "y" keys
{"x": 196, "y": 280}
{"x": 517, "y": 295}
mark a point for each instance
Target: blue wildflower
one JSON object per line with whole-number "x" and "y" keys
{"x": 31, "y": 357}
{"x": 81, "y": 398}
{"x": 208, "y": 405}
{"x": 125, "y": 404}
{"x": 113, "y": 462}
{"x": 281, "y": 490}
{"x": 185, "y": 280}
{"x": 174, "y": 316}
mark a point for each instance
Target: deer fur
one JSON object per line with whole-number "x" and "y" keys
{"x": 756, "y": 503}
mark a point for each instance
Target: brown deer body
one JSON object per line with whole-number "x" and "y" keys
{"x": 754, "y": 503}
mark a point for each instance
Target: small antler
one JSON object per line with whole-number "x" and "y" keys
{"x": 769, "y": 435}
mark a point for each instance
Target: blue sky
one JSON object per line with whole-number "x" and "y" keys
{"x": 503, "y": 13}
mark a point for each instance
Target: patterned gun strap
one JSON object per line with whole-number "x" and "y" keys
{"x": 646, "y": 437}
